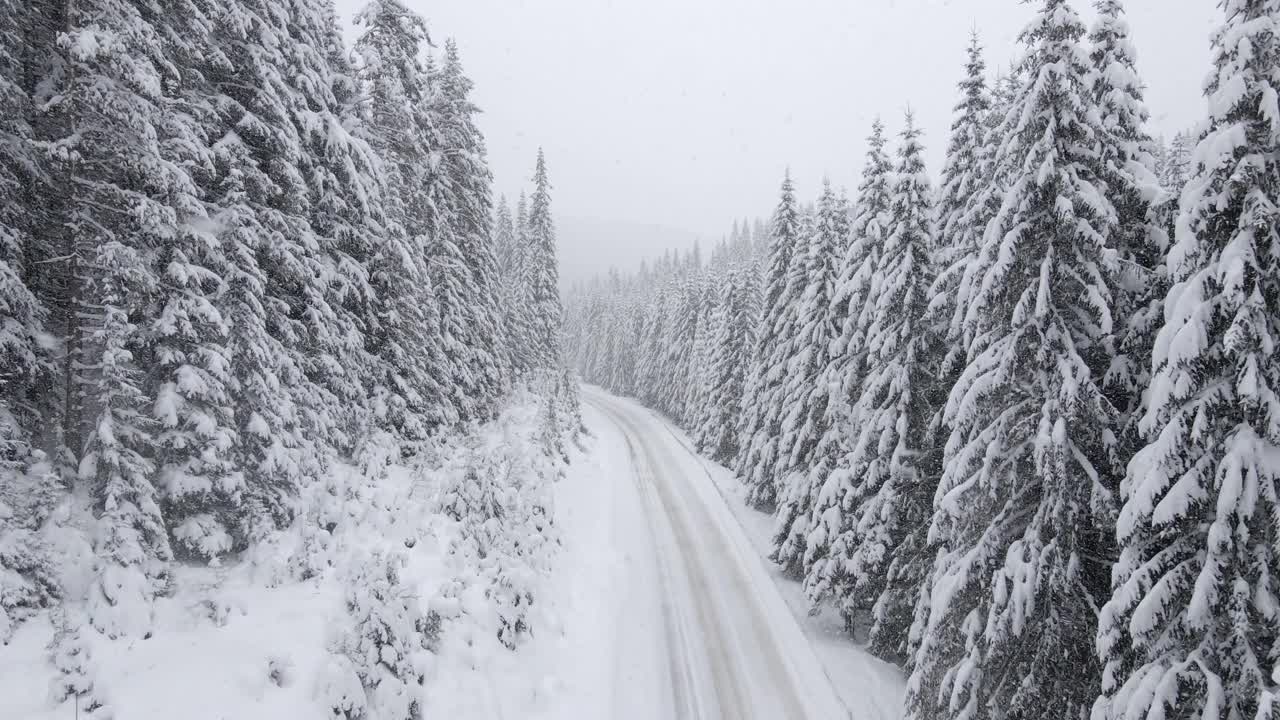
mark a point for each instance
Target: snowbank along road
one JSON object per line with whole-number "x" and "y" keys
{"x": 734, "y": 648}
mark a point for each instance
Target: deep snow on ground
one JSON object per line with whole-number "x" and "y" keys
{"x": 251, "y": 640}
{"x": 600, "y": 653}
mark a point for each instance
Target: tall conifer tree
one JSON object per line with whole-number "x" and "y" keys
{"x": 1191, "y": 629}
{"x": 1023, "y": 493}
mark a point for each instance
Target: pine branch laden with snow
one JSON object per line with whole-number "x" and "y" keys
{"x": 70, "y": 653}
{"x": 834, "y": 489}
{"x": 502, "y": 504}
{"x": 1024, "y": 494}
{"x": 543, "y": 276}
{"x": 1127, "y": 154}
{"x": 385, "y": 647}
{"x": 408, "y": 391}
{"x": 885, "y": 553}
{"x": 711, "y": 314}
{"x": 808, "y": 394}
{"x": 759, "y": 462}
{"x": 1191, "y": 626}
{"x": 131, "y": 544}
{"x": 460, "y": 259}
{"x": 29, "y": 578}
{"x": 732, "y": 346}
{"x": 967, "y": 199}
{"x": 25, "y": 351}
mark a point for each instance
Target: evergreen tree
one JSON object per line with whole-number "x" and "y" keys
{"x": 963, "y": 208}
{"x": 733, "y": 342}
{"x": 462, "y": 154}
{"x": 1191, "y": 627}
{"x": 809, "y": 397}
{"x": 131, "y": 545}
{"x": 762, "y": 420}
{"x": 678, "y": 344}
{"x": 408, "y": 396}
{"x": 386, "y": 643}
{"x": 1022, "y": 493}
{"x": 347, "y": 217}
{"x": 893, "y": 456}
{"x": 121, "y": 141}
{"x": 543, "y": 275}
{"x": 1128, "y": 158}
{"x": 519, "y": 283}
{"x": 29, "y": 493}
{"x": 27, "y": 364}
{"x": 857, "y": 288}
{"x": 270, "y": 100}
{"x": 507, "y": 253}
{"x": 1173, "y": 168}
{"x": 710, "y": 314}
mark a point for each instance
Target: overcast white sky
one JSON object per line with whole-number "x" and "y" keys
{"x": 685, "y": 113}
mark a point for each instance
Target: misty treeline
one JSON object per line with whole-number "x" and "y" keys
{"x": 1021, "y": 427}
{"x": 232, "y": 251}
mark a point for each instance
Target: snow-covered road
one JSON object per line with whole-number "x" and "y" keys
{"x": 733, "y": 648}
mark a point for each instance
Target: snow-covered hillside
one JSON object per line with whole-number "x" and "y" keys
{"x": 400, "y": 585}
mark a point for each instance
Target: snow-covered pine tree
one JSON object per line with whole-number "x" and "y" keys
{"x": 188, "y": 355}
{"x": 463, "y": 163}
{"x": 836, "y": 489}
{"x": 348, "y": 219}
{"x": 1191, "y": 627}
{"x": 451, "y": 281}
{"x": 70, "y": 654}
{"x": 1175, "y": 165}
{"x": 1128, "y": 158}
{"x": 733, "y": 344}
{"x": 963, "y": 209}
{"x": 270, "y": 446}
{"x": 518, "y": 282}
{"x": 385, "y": 646}
{"x": 809, "y": 396}
{"x": 27, "y": 363}
{"x": 659, "y": 316}
{"x": 763, "y": 412}
{"x": 1022, "y": 495}
{"x": 405, "y": 341}
{"x": 276, "y": 289}
{"x": 1173, "y": 168}
{"x": 131, "y": 545}
{"x": 30, "y": 491}
{"x": 543, "y": 274}
{"x": 28, "y": 396}
{"x": 702, "y": 379}
{"x": 504, "y": 240}
{"x": 507, "y": 252}
{"x": 286, "y": 330}
{"x": 120, "y": 142}
{"x": 677, "y": 344}
{"x": 894, "y": 455}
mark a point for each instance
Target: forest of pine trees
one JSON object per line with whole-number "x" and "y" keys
{"x": 1020, "y": 427}
{"x": 234, "y": 250}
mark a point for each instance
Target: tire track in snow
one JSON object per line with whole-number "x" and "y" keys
{"x": 750, "y": 637}
{"x": 680, "y": 668}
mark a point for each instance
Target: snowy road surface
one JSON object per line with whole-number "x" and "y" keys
{"x": 733, "y": 648}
